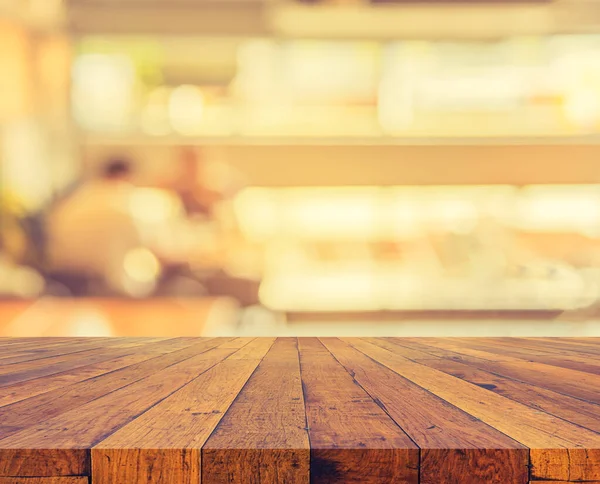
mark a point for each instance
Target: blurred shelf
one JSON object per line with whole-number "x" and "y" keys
{"x": 458, "y": 20}
{"x": 359, "y": 163}
{"x": 235, "y": 17}
{"x": 297, "y": 317}
{"x": 434, "y": 20}
{"x": 116, "y": 140}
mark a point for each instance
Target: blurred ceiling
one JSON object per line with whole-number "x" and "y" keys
{"x": 355, "y": 19}
{"x": 37, "y": 14}
{"x": 479, "y": 19}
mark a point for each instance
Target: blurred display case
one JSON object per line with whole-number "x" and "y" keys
{"x": 486, "y": 248}
{"x": 519, "y": 87}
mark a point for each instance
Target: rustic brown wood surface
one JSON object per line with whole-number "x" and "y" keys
{"x": 44, "y": 480}
{"x": 299, "y": 410}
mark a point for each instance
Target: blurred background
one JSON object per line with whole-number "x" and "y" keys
{"x": 301, "y": 167}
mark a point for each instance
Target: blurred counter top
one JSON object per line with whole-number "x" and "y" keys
{"x": 164, "y": 317}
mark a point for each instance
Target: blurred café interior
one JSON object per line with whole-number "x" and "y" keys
{"x": 299, "y": 167}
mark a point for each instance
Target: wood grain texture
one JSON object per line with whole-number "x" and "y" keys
{"x": 563, "y": 482}
{"x": 11, "y": 374}
{"x": 299, "y": 410}
{"x": 36, "y": 346}
{"x": 73, "y": 433}
{"x": 67, "y": 351}
{"x": 44, "y": 480}
{"x": 169, "y": 436}
{"x": 455, "y": 447}
{"x": 352, "y": 438}
{"x": 31, "y": 388}
{"x": 579, "y": 384}
{"x": 555, "y": 357}
{"x": 263, "y": 437}
{"x": 559, "y": 450}
{"x": 19, "y": 416}
{"x": 577, "y": 411}
{"x": 44, "y": 462}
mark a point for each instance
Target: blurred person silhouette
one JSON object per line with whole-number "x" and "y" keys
{"x": 205, "y": 186}
{"x": 111, "y": 237}
{"x": 206, "y": 190}
{"x": 93, "y": 243}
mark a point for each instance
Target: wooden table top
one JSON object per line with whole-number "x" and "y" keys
{"x": 299, "y": 410}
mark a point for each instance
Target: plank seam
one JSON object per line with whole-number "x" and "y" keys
{"x": 66, "y": 372}
{"x": 105, "y": 436}
{"x": 56, "y": 355}
{"x": 237, "y": 396}
{"x": 508, "y": 397}
{"x": 507, "y": 377}
{"x": 306, "y": 426}
{"x": 436, "y": 396}
{"x": 379, "y": 403}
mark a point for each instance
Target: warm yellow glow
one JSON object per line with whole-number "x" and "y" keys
{"x": 325, "y": 213}
{"x": 566, "y": 208}
{"x": 582, "y": 107}
{"x": 186, "y": 110}
{"x": 402, "y": 290}
{"x": 16, "y": 76}
{"x": 347, "y": 290}
{"x": 26, "y": 283}
{"x": 510, "y": 87}
{"x": 103, "y": 91}
{"x": 88, "y": 323}
{"x": 155, "y": 115}
{"x": 153, "y": 206}
{"x": 321, "y": 246}
{"x": 141, "y": 265}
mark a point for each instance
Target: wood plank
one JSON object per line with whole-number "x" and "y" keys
{"x": 525, "y": 349}
{"x": 564, "y": 482}
{"x": 57, "y": 354}
{"x": 436, "y": 347}
{"x": 455, "y": 447}
{"x": 258, "y": 346}
{"x": 44, "y": 462}
{"x": 590, "y": 346}
{"x": 171, "y": 434}
{"x": 352, "y": 438}
{"x": 28, "y": 355}
{"x": 575, "y": 383}
{"x": 563, "y": 345}
{"x": 8, "y": 340}
{"x": 560, "y": 358}
{"x": 21, "y": 372}
{"x": 44, "y": 480}
{"x": 31, "y": 388}
{"x": 61, "y": 351}
{"x": 474, "y": 408}
{"x": 60, "y": 446}
{"x": 559, "y": 450}
{"x": 274, "y": 445}
{"x": 19, "y": 416}
{"x": 238, "y": 343}
{"x": 568, "y": 408}
{"x": 36, "y": 345}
